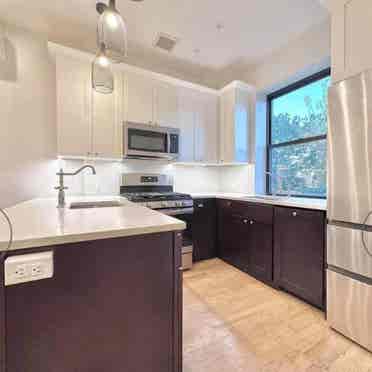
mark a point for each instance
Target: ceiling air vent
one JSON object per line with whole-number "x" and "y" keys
{"x": 165, "y": 42}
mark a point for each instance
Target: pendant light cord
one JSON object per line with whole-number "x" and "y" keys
{"x": 364, "y": 243}
{"x": 9, "y": 222}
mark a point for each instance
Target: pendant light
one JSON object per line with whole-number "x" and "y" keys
{"x": 102, "y": 76}
{"x": 2, "y": 43}
{"x": 112, "y": 31}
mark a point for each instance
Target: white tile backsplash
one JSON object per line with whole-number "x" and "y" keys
{"x": 187, "y": 179}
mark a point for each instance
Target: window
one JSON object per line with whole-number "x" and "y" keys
{"x": 297, "y": 138}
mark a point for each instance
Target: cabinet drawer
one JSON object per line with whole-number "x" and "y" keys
{"x": 202, "y": 206}
{"x": 254, "y": 212}
{"x": 282, "y": 212}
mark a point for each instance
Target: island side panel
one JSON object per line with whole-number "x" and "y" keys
{"x": 109, "y": 307}
{"x": 2, "y": 314}
{"x": 178, "y": 304}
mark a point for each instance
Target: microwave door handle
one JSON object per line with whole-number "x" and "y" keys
{"x": 169, "y": 142}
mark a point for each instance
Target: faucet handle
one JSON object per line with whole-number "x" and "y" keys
{"x": 61, "y": 188}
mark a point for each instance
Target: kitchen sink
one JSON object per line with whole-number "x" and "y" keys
{"x": 96, "y": 204}
{"x": 269, "y": 197}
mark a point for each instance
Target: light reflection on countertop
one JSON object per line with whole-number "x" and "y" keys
{"x": 39, "y": 223}
{"x": 307, "y": 203}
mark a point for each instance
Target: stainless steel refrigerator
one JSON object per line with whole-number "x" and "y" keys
{"x": 349, "y": 235}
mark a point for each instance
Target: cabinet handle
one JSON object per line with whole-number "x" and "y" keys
{"x": 251, "y": 222}
{"x": 200, "y": 205}
{"x": 245, "y": 221}
{"x": 294, "y": 214}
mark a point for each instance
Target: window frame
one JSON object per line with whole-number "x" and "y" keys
{"x": 269, "y": 146}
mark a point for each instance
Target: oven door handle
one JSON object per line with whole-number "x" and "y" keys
{"x": 177, "y": 211}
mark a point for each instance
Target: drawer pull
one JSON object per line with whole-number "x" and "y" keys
{"x": 294, "y": 214}
{"x": 245, "y": 221}
{"x": 200, "y": 205}
{"x": 251, "y": 222}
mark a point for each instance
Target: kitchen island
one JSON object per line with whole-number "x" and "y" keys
{"x": 113, "y": 301}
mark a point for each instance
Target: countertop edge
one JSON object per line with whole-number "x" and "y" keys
{"x": 85, "y": 237}
{"x": 251, "y": 199}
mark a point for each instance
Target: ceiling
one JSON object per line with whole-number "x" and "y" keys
{"x": 251, "y": 29}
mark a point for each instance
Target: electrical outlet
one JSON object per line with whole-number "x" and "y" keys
{"x": 28, "y": 267}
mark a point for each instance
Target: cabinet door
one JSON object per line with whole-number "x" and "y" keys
{"x": 73, "y": 106}
{"x": 106, "y": 122}
{"x": 204, "y": 229}
{"x": 206, "y": 128}
{"x": 166, "y": 105}
{"x": 261, "y": 250}
{"x": 351, "y": 22}
{"x": 232, "y": 235}
{"x": 139, "y": 98}
{"x": 227, "y": 139}
{"x": 186, "y": 124}
{"x": 299, "y": 253}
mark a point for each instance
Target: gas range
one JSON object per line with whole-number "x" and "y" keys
{"x": 155, "y": 191}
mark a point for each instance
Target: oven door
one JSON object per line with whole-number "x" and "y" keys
{"x": 185, "y": 215}
{"x": 144, "y": 141}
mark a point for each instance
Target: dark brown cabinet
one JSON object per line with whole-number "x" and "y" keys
{"x": 245, "y": 237}
{"x": 112, "y": 305}
{"x": 299, "y": 253}
{"x": 204, "y": 229}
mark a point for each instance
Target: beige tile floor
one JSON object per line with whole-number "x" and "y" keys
{"x": 233, "y": 322}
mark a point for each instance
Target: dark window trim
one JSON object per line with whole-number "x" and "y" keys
{"x": 288, "y": 89}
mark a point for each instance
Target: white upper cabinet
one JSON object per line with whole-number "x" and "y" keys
{"x": 165, "y": 104}
{"x": 351, "y": 29}
{"x": 198, "y": 123}
{"x": 150, "y": 101}
{"x": 236, "y": 132}
{"x": 206, "y": 128}
{"x": 106, "y": 122}
{"x": 139, "y": 94}
{"x": 89, "y": 123}
{"x": 73, "y": 107}
{"x": 186, "y": 125}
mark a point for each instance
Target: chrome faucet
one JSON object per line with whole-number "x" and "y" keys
{"x": 279, "y": 181}
{"x": 61, "y": 188}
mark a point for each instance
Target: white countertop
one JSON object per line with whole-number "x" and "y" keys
{"x": 39, "y": 222}
{"x": 307, "y": 203}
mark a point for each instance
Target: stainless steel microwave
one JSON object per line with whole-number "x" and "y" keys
{"x": 150, "y": 142}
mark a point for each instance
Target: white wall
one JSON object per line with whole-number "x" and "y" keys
{"x": 304, "y": 56}
{"x": 27, "y": 112}
{"x": 300, "y": 58}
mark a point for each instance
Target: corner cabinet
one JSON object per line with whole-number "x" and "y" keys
{"x": 351, "y": 26}
{"x": 88, "y": 123}
{"x": 299, "y": 253}
{"x": 236, "y": 124}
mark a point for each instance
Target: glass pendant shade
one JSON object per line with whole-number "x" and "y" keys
{"x": 2, "y": 43}
{"x": 112, "y": 32}
{"x": 102, "y": 75}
